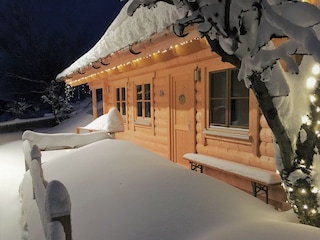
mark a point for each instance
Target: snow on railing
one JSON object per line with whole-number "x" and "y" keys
{"x": 53, "y": 201}
{"x": 57, "y": 141}
{"x": 52, "y": 198}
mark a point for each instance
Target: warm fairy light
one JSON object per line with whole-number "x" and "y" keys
{"x": 312, "y": 98}
{"x": 303, "y": 191}
{"x": 305, "y": 206}
{"x": 314, "y": 190}
{"x": 313, "y": 211}
{"x": 122, "y": 65}
{"x": 316, "y": 69}
{"x": 311, "y": 82}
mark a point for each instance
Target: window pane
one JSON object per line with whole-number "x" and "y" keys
{"x": 139, "y": 109}
{"x": 124, "y": 112}
{"x": 118, "y": 106}
{"x": 147, "y": 92}
{"x": 123, "y": 94}
{"x": 240, "y": 112}
{"x": 218, "y": 112}
{"x": 147, "y": 110}
{"x": 238, "y": 88}
{"x": 218, "y": 85}
{"x": 139, "y": 92}
{"x": 118, "y": 94}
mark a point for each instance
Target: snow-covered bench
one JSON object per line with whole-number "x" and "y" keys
{"x": 260, "y": 179}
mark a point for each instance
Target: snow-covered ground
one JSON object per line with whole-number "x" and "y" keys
{"x": 12, "y": 170}
{"x": 161, "y": 200}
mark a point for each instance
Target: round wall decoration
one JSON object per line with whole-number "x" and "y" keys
{"x": 182, "y": 99}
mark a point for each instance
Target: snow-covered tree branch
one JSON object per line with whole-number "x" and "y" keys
{"x": 240, "y": 31}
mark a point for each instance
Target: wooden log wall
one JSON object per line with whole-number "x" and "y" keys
{"x": 257, "y": 151}
{"x": 156, "y": 136}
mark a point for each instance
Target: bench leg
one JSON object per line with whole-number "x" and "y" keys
{"x": 256, "y": 188}
{"x": 195, "y": 167}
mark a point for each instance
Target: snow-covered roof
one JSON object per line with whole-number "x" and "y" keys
{"x": 126, "y": 30}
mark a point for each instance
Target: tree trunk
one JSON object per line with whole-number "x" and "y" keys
{"x": 301, "y": 193}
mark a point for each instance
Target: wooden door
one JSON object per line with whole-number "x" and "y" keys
{"x": 182, "y": 117}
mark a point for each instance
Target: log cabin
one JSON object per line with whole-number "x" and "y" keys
{"x": 176, "y": 96}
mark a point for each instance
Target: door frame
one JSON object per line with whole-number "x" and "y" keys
{"x": 190, "y": 82}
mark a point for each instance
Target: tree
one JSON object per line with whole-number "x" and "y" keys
{"x": 37, "y": 40}
{"x": 240, "y": 32}
{"x": 60, "y": 106}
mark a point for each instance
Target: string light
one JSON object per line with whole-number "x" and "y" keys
{"x": 316, "y": 69}
{"x": 311, "y": 82}
{"x": 314, "y": 190}
{"x": 303, "y": 196}
{"x": 163, "y": 51}
{"x": 313, "y": 98}
{"x": 313, "y": 211}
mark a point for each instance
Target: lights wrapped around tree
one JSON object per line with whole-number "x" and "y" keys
{"x": 303, "y": 192}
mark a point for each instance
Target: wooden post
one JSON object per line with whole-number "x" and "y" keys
{"x": 58, "y": 206}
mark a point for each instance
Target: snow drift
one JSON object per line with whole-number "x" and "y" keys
{"x": 121, "y": 191}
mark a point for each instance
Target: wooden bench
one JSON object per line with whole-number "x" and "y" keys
{"x": 260, "y": 179}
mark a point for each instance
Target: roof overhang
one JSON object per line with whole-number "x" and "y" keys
{"x": 158, "y": 48}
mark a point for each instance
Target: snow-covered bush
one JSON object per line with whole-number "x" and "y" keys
{"x": 19, "y": 108}
{"x": 56, "y": 98}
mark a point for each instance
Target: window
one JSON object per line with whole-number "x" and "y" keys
{"x": 229, "y": 100}
{"x": 121, "y": 100}
{"x": 143, "y": 99}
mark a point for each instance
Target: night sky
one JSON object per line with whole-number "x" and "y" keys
{"x": 79, "y": 24}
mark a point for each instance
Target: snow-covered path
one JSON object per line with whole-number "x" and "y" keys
{"x": 11, "y": 174}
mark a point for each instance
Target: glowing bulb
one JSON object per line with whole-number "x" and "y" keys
{"x": 303, "y": 191}
{"x": 313, "y": 211}
{"x": 305, "y": 206}
{"x": 316, "y": 69}
{"x": 314, "y": 190}
{"x": 312, "y": 98}
{"x": 311, "y": 82}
